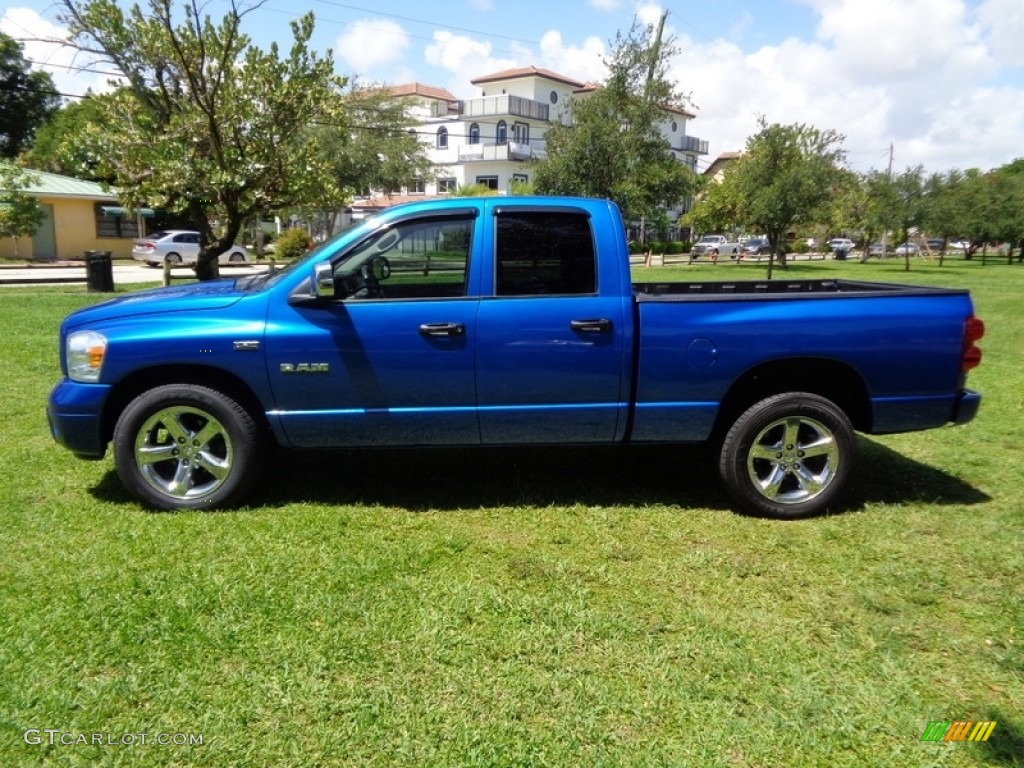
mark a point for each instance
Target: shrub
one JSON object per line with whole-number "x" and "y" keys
{"x": 291, "y": 244}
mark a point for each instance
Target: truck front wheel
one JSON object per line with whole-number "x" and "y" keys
{"x": 788, "y": 456}
{"x": 186, "y": 446}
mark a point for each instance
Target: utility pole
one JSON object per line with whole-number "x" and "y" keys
{"x": 655, "y": 51}
{"x": 888, "y": 175}
{"x": 651, "y": 67}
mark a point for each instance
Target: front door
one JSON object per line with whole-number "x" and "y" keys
{"x": 44, "y": 241}
{"x": 391, "y": 361}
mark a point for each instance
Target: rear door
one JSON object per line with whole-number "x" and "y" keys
{"x": 551, "y": 334}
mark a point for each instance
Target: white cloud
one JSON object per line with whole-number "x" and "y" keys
{"x": 43, "y": 43}
{"x": 915, "y": 74}
{"x": 465, "y": 58}
{"x": 369, "y": 46}
{"x": 605, "y": 5}
{"x": 1003, "y": 20}
{"x": 649, "y": 13}
{"x": 584, "y": 62}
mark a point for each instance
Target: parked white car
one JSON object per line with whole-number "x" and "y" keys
{"x": 180, "y": 246}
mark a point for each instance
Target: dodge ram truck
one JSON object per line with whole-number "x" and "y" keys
{"x": 506, "y": 321}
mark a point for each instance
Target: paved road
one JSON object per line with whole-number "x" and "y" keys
{"x": 123, "y": 273}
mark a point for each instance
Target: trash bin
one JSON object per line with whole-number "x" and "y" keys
{"x": 841, "y": 252}
{"x": 99, "y": 271}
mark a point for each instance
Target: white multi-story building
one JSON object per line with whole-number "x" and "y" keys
{"x": 489, "y": 139}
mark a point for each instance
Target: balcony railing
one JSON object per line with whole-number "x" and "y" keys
{"x": 506, "y": 104}
{"x": 469, "y": 153}
{"x": 692, "y": 144}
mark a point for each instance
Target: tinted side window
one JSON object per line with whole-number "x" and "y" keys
{"x": 544, "y": 253}
{"x": 425, "y": 258}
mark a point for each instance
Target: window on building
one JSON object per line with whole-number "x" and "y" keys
{"x": 501, "y": 135}
{"x": 417, "y": 187}
{"x": 520, "y": 178}
{"x": 544, "y": 253}
{"x": 491, "y": 182}
{"x": 446, "y": 185}
{"x": 114, "y": 221}
{"x": 474, "y": 133}
{"x": 442, "y": 138}
{"x": 521, "y": 133}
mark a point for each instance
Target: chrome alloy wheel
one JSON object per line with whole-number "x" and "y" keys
{"x": 793, "y": 460}
{"x": 183, "y": 452}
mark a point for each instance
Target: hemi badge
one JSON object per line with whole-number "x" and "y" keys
{"x": 246, "y": 346}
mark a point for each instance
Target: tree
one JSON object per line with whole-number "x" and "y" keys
{"x": 881, "y": 214}
{"x": 57, "y": 148}
{"x": 785, "y": 176}
{"x": 27, "y": 98}
{"x": 374, "y": 147}
{"x": 207, "y": 124}
{"x": 1006, "y": 207}
{"x": 613, "y": 146}
{"x": 909, "y": 207}
{"x": 20, "y": 213}
{"x": 717, "y": 209}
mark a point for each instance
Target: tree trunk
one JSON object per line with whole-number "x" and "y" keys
{"x": 207, "y": 266}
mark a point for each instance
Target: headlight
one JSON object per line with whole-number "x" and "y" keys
{"x": 85, "y": 351}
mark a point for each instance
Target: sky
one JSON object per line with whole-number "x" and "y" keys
{"x": 907, "y": 83}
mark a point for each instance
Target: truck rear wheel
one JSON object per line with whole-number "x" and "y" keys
{"x": 788, "y": 456}
{"x": 185, "y": 446}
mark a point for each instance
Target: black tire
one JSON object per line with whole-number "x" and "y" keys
{"x": 174, "y": 259}
{"x": 788, "y": 456}
{"x": 186, "y": 446}
{"x": 237, "y": 258}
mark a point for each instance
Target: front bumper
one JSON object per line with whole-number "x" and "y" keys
{"x": 75, "y": 414}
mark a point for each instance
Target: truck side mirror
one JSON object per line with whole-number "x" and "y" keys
{"x": 323, "y": 280}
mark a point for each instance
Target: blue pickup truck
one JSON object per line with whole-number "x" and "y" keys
{"x": 506, "y": 321}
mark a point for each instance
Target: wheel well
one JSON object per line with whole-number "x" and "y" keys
{"x": 214, "y": 378}
{"x": 828, "y": 378}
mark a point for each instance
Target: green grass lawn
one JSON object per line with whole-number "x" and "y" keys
{"x": 518, "y": 608}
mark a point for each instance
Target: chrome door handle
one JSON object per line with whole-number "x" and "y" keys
{"x": 598, "y": 325}
{"x": 442, "y": 329}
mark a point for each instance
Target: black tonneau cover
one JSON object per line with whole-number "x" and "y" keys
{"x": 754, "y": 289}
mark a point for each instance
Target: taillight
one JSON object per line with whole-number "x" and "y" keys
{"x": 974, "y": 329}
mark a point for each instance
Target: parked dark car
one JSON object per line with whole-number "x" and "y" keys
{"x": 756, "y": 246}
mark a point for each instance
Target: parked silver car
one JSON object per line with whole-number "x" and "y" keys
{"x": 180, "y": 246}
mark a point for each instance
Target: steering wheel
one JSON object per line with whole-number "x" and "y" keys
{"x": 364, "y": 283}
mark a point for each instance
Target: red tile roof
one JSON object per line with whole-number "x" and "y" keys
{"x": 419, "y": 89}
{"x": 386, "y": 201}
{"x": 593, "y": 87}
{"x": 512, "y": 74}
